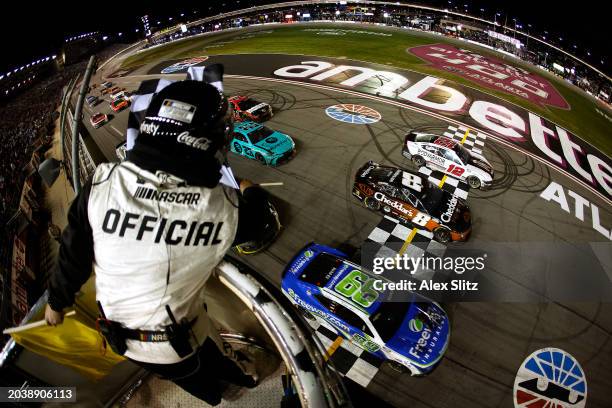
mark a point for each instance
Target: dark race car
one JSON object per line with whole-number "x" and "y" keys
{"x": 246, "y": 108}
{"x": 414, "y": 200}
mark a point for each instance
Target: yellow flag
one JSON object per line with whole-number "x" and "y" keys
{"x": 73, "y": 344}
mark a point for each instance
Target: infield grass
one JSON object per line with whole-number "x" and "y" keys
{"x": 583, "y": 119}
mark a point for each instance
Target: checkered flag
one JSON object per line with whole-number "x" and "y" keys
{"x": 348, "y": 359}
{"x": 452, "y": 185}
{"x": 391, "y": 237}
{"x": 212, "y": 74}
{"x": 473, "y": 141}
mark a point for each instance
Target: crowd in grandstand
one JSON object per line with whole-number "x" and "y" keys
{"x": 531, "y": 50}
{"x": 22, "y": 121}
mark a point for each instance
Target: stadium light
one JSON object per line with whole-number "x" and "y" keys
{"x": 104, "y": 38}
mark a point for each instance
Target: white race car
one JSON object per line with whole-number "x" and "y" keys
{"x": 446, "y": 155}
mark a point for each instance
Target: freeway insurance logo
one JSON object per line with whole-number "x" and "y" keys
{"x": 550, "y": 378}
{"x": 356, "y": 114}
{"x": 492, "y": 73}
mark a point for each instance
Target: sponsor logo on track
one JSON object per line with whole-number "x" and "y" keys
{"x": 492, "y": 73}
{"x": 356, "y": 114}
{"x": 555, "y": 192}
{"x": 515, "y": 125}
{"x": 550, "y": 378}
{"x": 337, "y": 31}
{"x": 181, "y": 65}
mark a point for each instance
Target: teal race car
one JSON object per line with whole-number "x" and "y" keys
{"x": 256, "y": 141}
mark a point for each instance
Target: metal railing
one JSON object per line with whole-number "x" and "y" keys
{"x": 316, "y": 384}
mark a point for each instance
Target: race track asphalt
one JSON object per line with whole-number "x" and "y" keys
{"x": 489, "y": 340}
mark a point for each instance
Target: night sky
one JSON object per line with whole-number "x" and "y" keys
{"x": 34, "y": 29}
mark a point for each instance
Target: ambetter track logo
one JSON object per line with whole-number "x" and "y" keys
{"x": 550, "y": 378}
{"x": 492, "y": 73}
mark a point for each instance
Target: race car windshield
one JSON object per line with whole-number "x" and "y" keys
{"x": 381, "y": 173}
{"x": 259, "y": 134}
{"x": 320, "y": 270}
{"x": 247, "y": 104}
{"x": 424, "y": 138}
{"x": 431, "y": 197}
{"x": 462, "y": 152}
{"x": 388, "y": 318}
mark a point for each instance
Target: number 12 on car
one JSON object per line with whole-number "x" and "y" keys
{"x": 455, "y": 170}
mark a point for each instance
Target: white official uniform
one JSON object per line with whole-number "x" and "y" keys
{"x": 156, "y": 242}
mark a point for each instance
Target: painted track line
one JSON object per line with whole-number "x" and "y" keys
{"x": 408, "y": 240}
{"x": 467, "y": 133}
{"x": 115, "y": 129}
{"x": 332, "y": 349}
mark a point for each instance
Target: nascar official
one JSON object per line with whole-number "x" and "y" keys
{"x": 153, "y": 228}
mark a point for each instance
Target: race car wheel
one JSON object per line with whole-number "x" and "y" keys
{"x": 259, "y": 157}
{"x": 419, "y": 161}
{"x": 395, "y": 366}
{"x": 474, "y": 182}
{"x": 237, "y": 148}
{"x": 442, "y": 235}
{"x": 371, "y": 203}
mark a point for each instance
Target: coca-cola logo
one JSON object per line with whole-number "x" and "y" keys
{"x": 491, "y": 73}
{"x": 200, "y": 143}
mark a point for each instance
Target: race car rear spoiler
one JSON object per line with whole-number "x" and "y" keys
{"x": 296, "y": 257}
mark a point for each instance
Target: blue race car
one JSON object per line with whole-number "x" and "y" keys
{"x": 256, "y": 141}
{"x": 411, "y": 333}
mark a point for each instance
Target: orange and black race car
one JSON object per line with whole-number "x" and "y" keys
{"x": 119, "y": 104}
{"x": 413, "y": 200}
{"x": 246, "y": 108}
